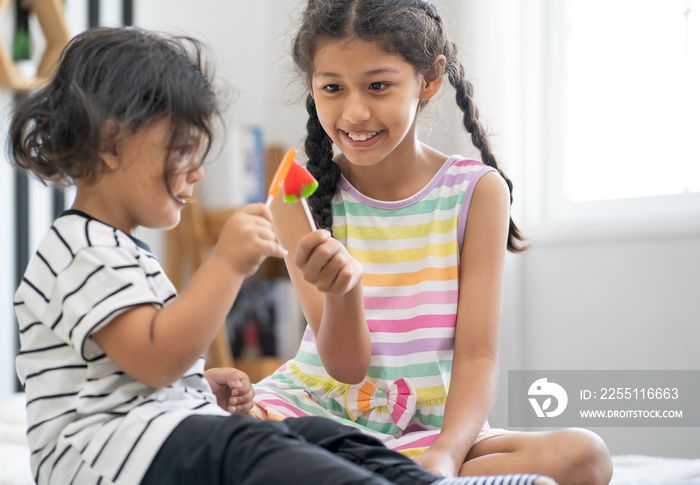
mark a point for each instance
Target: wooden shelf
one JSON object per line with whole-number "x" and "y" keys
{"x": 50, "y": 14}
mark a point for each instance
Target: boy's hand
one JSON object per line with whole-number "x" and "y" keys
{"x": 247, "y": 239}
{"x": 232, "y": 389}
{"x": 326, "y": 263}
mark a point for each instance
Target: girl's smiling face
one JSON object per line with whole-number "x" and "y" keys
{"x": 366, "y": 99}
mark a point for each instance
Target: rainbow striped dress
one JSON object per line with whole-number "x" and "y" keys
{"x": 410, "y": 254}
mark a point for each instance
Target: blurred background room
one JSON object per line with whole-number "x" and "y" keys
{"x": 594, "y": 111}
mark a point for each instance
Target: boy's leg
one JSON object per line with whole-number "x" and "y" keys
{"x": 363, "y": 450}
{"x": 238, "y": 449}
{"x": 242, "y": 450}
{"x": 368, "y": 452}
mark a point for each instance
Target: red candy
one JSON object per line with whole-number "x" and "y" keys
{"x": 298, "y": 183}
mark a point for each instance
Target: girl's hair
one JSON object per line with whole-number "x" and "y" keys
{"x": 411, "y": 29}
{"x": 127, "y": 77}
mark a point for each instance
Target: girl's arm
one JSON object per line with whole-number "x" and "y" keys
{"x": 156, "y": 346}
{"x": 475, "y": 365}
{"x": 328, "y": 282}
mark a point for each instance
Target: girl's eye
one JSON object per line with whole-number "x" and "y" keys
{"x": 378, "y": 86}
{"x": 331, "y": 88}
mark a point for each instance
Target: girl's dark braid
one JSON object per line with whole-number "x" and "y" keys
{"x": 465, "y": 93}
{"x": 319, "y": 150}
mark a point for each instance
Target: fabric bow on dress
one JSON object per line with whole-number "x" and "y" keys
{"x": 399, "y": 397}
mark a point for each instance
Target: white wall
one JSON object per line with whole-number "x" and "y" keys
{"x": 612, "y": 303}
{"x": 583, "y": 297}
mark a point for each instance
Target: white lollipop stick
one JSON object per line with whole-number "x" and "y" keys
{"x": 312, "y": 223}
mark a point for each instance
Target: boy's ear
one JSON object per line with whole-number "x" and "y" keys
{"x": 432, "y": 80}
{"x": 109, "y": 141}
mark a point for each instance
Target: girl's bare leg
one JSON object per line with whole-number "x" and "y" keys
{"x": 569, "y": 456}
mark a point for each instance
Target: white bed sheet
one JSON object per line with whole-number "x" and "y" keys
{"x": 653, "y": 470}
{"x": 628, "y": 470}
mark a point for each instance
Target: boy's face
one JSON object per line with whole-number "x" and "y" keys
{"x": 137, "y": 187}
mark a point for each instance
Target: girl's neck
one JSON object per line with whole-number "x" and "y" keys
{"x": 399, "y": 176}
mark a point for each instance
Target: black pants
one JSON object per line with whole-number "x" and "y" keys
{"x": 239, "y": 449}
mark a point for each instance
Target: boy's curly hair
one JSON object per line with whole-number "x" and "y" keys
{"x": 127, "y": 76}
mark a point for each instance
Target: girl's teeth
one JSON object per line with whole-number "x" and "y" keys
{"x": 361, "y": 136}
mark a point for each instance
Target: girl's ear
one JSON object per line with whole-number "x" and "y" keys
{"x": 109, "y": 140}
{"x": 432, "y": 80}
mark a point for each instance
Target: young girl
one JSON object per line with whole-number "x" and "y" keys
{"x": 111, "y": 358}
{"x": 403, "y": 300}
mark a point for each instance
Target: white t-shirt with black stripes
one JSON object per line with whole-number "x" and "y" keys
{"x": 88, "y": 421}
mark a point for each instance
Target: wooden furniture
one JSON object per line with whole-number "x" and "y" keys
{"x": 189, "y": 244}
{"x": 50, "y": 14}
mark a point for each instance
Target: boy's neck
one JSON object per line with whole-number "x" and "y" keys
{"x": 95, "y": 200}
{"x": 81, "y": 213}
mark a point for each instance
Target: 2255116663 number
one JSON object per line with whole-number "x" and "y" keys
{"x": 637, "y": 393}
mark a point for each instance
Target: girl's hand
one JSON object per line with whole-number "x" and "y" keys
{"x": 438, "y": 463}
{"x": 232, "y": 389}
{"x": 326, "y": 263}
{"x": 247, "y": 239}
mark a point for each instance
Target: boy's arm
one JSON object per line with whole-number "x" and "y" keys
{"x": 156, "y": 346}
{"x": 328, "y": 282}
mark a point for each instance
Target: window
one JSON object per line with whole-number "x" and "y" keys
{"x": 623, "y": 109}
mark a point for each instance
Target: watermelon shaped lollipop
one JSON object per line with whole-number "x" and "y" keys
{"x": 298, "y": 184}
